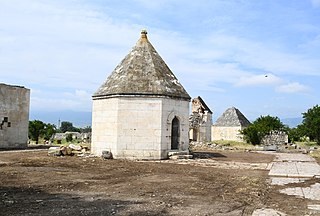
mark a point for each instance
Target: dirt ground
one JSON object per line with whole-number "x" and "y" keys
{"x": 32, "y": 183}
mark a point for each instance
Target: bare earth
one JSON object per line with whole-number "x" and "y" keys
{"x": 215, "y": 183}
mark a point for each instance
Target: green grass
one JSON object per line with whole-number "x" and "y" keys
{"x": 315, "y": 154}
{"x": 235, "y": 144}
{"x": 306, "y": 144}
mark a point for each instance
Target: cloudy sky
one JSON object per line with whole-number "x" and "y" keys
{"x": 262, "y": 57}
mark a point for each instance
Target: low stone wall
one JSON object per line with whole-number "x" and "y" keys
{"x": 275, "y": 138}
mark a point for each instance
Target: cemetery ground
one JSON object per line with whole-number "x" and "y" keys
{"x": 216, "y": 182}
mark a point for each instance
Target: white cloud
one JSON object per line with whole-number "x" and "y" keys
{"x": 315, "y": 3}
{"x": 258, "y": 80}
{"x": 48, "y": 100}
{"x": 294, "y": 87}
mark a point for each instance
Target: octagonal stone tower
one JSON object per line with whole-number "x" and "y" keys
{"x": 141, "y": 111}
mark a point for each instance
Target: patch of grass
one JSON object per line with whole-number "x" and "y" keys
{"x": 315, "y": 154}
{"x": 235, "y": 144}
{"x": 306, "y": 144}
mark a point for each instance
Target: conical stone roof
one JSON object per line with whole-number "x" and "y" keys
{"x": 232, "y": 117}
{"x": 142, "y": 72}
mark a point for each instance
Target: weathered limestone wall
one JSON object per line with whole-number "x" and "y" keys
{"x": 205, "y": 128}
{"x": 14, "y": 116}
{"x": 227, "y": 133}
{"x": 104, "y": 125}
{"x": 170, "y": 109}
{"x": 275, "y": 138}
{"x": 137, "y": 127}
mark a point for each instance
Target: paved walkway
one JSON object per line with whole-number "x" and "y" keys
{"x": 294, "y": 168}
{"x": 294, "y": 165}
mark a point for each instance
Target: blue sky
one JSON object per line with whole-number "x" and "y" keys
{"x": 262, "y": 57}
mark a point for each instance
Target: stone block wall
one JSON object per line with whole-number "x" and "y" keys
{"x": 137, "y": 127}
{"x": 14, "y": 116}
{"x": 227, "y": 133}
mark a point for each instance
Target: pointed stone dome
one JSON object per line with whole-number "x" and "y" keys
{"x": 142, "y": 72}
{"x": 232, "y": 117}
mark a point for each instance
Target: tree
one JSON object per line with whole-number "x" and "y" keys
{"x": 311, "y": 123}
{"x": 261, "y": 127}
{"x": 68, "y": 126}
{"x": 69, "y": 137}
{"x": 36, "y": 129}
{"x": 39, "y": 129}
{"x": 49, "y": 130}
{"x": 297, "y": 133}
{"x": 86, "y": 129}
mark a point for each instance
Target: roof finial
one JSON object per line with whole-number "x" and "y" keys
{"x": 144, "y": 33}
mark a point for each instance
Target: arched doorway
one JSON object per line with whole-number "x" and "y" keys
{"x": 175, "y": 133}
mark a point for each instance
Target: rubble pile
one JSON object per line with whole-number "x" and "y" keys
{"x": 70, "y": 150}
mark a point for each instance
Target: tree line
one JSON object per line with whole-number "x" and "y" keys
{"x": 309, "y": 128}
{"x": 254, "y": 133}
{"x": 40, "y": 130}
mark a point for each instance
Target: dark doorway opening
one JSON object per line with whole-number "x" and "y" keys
{"x": 175, "y": 133}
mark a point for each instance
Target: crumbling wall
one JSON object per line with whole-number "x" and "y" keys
{"x": 14, "y": 116}
{"x": 200, "y": 122}
{"x": 275, "y": 138}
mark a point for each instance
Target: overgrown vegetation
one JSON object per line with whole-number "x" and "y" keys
{"x": 235, "y": 144}
{"x": 307, "y": 132}
{"x": 262, "y": 126}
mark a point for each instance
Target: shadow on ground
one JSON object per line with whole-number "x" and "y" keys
{"x": 204, "y": 155}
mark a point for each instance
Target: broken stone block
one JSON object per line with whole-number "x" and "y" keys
{"x": 54, "y": 151}
{"x": 106, "y": 154}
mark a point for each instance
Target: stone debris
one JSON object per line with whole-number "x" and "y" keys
{"x": 70, "y": 150}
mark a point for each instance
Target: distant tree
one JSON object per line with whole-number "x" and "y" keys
{"x": 68, "y": 126}
{"x": 261, "y": 127}
{"x": 297, "y": 133}
{"x": 36, "y": 129}
{"x": 69, "y": 138}
{"x": 49, "y": 130}
{"x": 311, "y": 123}
{"x": 86, "y": 129}
{"x": 39, "y": 129}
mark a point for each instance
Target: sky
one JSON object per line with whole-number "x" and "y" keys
{"x": 262, "y": 57}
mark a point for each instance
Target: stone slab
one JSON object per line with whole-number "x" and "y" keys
{"x": 312, "y": 192}
{"x": 284, "y": 181}
{"x": 314, "y": 207}
{"x": 267, "y": 212}
{"x": 293, "y": 157}
{"x": 294, "y": 165}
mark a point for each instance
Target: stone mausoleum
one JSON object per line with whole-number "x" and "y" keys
{"x": 14, "y": 116}
{"x": 141, "y": 111}
{"x": 229, "y": 125}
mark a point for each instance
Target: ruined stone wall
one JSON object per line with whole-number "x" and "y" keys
{"x": 275, "y": 138}
{"x": 137, "y": 127}
{"x": 205, "y": 128}
{"x": 227, "y": 133}
{"x": 14, "y": 116}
